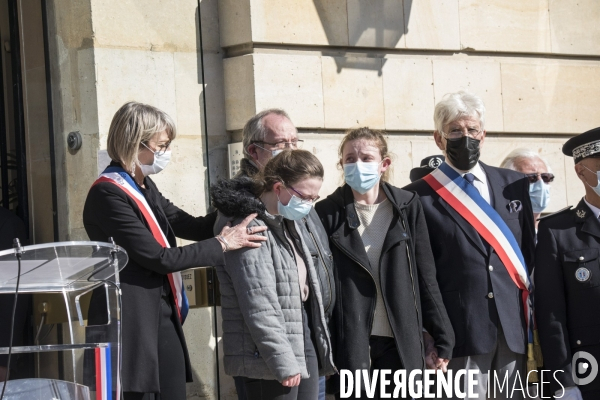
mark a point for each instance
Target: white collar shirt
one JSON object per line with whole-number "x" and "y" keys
{"x": 594, "y": 209}
{"x": 480, "y": 181}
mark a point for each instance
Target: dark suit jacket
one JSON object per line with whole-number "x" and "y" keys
{"x": 110, "y": 212}
{"x": 568, "y": 309}
{"x": 468, "y": 270}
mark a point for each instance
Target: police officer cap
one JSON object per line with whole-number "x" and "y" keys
{"x": 583, "y": 146}
{"x": 428, "y": 164}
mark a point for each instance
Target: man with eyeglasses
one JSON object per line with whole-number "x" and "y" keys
{"x": 539, "y": 174}
{"x": 264, "y": 136}
{"x": 567, "y": 281}
{"x": 477, "y": 215}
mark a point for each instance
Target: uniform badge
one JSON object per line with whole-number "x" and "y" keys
{"x": 515, "y": 206}
{"x": 583, "y": 274}
{"x": 580, "y": 213}
{"x": 435, "y": 162}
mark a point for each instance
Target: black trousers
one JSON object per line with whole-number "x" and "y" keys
{"x": 384, "y": 355}
{"x": 171, "y": 372}
{"x": 263, "y": 389}
{"x": 21, "y": 365}
{"x": 591, "y": 395}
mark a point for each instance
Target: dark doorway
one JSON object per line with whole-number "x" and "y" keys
{"x": 13, "y": 162}
{"x": 27, "y": 158}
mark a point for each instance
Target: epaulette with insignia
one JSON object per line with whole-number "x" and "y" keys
{"x": 555, "y": 213}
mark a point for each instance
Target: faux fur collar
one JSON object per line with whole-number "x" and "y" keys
{"x": 236, "y": 198}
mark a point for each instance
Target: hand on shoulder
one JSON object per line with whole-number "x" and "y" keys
{"x": 241, "y": 235}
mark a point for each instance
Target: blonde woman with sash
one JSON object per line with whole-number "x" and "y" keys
{"x": 125, "y": 204}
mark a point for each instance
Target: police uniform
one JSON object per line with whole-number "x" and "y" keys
{"x": 567, "y": 286}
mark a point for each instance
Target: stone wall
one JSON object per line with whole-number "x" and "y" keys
{"x": 333, "y": 65}
{"x": 339, "y": 64}
{"x": 105, "y": 53}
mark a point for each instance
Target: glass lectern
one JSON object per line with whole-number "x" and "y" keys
{"x": 73, "y": 269}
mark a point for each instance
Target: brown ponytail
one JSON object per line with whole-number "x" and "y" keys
{"x": 288, "y": 167}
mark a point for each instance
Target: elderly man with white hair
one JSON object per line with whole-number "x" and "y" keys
{"x": 481, "y": 229}
{"x": 538, "y": 172}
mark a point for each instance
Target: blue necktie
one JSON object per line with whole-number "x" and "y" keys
{"x": 469, "y": 177}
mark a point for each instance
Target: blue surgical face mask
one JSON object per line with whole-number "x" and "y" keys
{"x": 597, "y": 187}
{"x": 362, "y": 176}
{"x": 539, "y": 193}
{"x": 295, "y": 209}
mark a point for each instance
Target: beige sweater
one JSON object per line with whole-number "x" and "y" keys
{"x": 374, "y": 225}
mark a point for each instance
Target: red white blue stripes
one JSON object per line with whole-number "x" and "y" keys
{"x": 103, "y": 374}
{"x": 122, "y": 179}
{"x": 466, "y": 200}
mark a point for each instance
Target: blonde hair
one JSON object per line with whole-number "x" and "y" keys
{"x": 135, "y": 123}
{"x": 371, "y": 135}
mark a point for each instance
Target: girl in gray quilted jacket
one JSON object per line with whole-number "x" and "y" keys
{"x": 274, "y": 330}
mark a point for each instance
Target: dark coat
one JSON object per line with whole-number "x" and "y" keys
{"x": 478, "y": 292}
{"x": 568, "y": 309}
{"x": 110, "y": 212}
{"x": 316, "y": 240}
{"x": 407, "y": 276}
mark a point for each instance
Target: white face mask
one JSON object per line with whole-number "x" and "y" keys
{"x": 273, "y": 153}
{"x": 160, "y": 162}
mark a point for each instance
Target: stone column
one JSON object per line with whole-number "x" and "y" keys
{"x": 108, "y": 52}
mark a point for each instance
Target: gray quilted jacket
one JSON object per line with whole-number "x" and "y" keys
{"x": 263, "y": 334}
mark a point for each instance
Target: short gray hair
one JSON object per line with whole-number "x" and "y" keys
{"x": 522, "y": 153}
{"x": 457, "y": 105}
{"x": 254, "y": 130}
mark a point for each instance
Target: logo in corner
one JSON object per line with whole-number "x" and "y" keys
{"x": 581, "y": 362}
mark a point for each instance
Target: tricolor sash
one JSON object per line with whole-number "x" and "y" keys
{"x": 121, "y": 179}
{"x": 465, "y": 199}
{"x": 103, "y": 373}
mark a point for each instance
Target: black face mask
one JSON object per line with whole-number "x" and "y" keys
{"x": 463, "y": 153}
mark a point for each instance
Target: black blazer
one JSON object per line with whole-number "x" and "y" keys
{"x": 407, "y": 277}
{"x": 469, "y": 271}
{"x": 568, "y": 309}
{"x": 110, "y": 212}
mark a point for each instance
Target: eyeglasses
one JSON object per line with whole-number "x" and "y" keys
{"x": 458, "y": 133}
{"x": 162, "y": 148}
{"x": 303, "y": 198}
{"x": 546, "y": 177}
{"x": 294, "y": 144}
